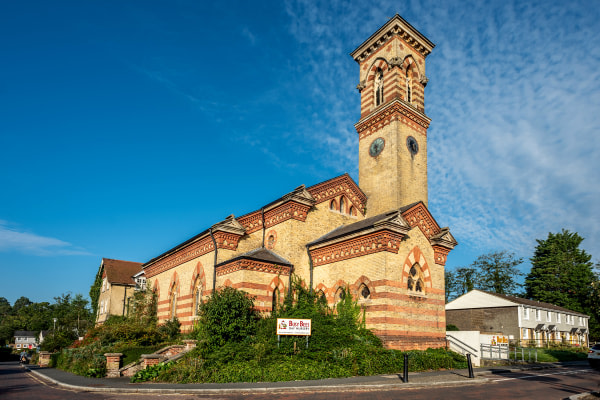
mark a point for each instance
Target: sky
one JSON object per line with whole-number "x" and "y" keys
{"x": 127, "y": 127}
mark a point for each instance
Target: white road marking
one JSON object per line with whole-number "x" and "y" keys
{"x": 548, "y": 374}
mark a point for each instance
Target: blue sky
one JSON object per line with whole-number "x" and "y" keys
{"x": 127, "y": 127}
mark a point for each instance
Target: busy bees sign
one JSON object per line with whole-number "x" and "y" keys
{"x": 291, "y": 326}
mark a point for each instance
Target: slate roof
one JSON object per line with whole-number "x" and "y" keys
{"x": 121, "y": 272}
{"x": 260, "y": 254}
{"x": 366, "y": 223}
{"x": 25, "y": 333}
{"x": 534, "y": 303}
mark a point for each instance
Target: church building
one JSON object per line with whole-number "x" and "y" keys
{"x": 375, "y": 237}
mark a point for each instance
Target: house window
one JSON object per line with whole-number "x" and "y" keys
{"x": 548, "y": 316}
{"x": 581, "y": 322}
{"x": 538, "y": 315}
{"x": 558, "y": 318}
{"x": 525, "y": 333}
{"x": 525, "y": 313}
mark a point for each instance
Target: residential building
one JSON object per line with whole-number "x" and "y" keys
{"x": 25, "y": 340}
{"x": 118, "y": 285}
{"x": 528, "y": 321}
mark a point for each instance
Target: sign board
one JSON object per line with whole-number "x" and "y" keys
{"x": 291, "y": 326}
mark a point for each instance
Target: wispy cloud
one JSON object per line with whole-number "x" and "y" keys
{"x": 514, "y": 96}
{"x": 12, "y": 239}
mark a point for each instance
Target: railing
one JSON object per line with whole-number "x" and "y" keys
{"x": 494, "y": 352}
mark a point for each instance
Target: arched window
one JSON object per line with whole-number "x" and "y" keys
{"x": 321, "y": 296}
{"x": 333, "y": 205}
{"x": 363, "y": 292}
{"x": 197, "y": 297}
{"x": 408, "y": 88}
{"x": 378, "y": 87}
{"x": 342, "y": 204}
{"x": 416, "y": 282}
{"x": 173, "y": 307}
{"x": 340, "y": 294}
{"x": 352, "y": 211}
{"x": 275, "y": 300}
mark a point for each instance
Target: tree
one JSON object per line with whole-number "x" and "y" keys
{"x": 451, "y": 284}
{"x": 497, "y": 272}
{"x": 561, "y": 272}
{"x": 466, "y": 279}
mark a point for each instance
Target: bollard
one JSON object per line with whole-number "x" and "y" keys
{"x": 470, "y": 365}
{"x": 405, "y": 379}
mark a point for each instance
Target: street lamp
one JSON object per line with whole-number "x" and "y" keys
{"x": 54, "y": 319}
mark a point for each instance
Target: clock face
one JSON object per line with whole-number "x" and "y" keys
{"x": 376, "y": 147}
{"x": 413, "y": 146}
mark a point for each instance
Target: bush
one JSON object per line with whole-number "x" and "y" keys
{"x": 339, "y": 346}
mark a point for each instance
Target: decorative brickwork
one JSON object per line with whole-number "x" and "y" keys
{"x": 226, "y": 240}
{"x": 288, "y": 210}
{"x": 420, "y": 216}
{"x": 395, "y": 111}
{"x": 252, "y": 222}
{"x": 363, "y": 245}
{"x": 193, "y": 250}
{"x": 414, "y": 257}
{"x": 342, "y": 185}
{"x": 253, "y": 265}
{"x": 440, "y": 255}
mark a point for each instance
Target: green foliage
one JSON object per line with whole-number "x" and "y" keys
{"x": 170, "y": 330}
{"x": 562, "y": 274}
{"x": 451, "y": 327}
{"x": 151, "y": 373}
{"x": 95, "y": 292}
{"x": 87, "y": 361}
{"x": 57, "y": 340}
{"x": 339, "y": 346}
{"x": 497, "y": 272}
{"x": 228, "y": 316}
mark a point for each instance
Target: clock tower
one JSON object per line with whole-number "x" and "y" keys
{"x": 392, "y": 129}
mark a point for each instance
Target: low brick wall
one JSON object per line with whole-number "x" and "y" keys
{"x": 113, "y": 364}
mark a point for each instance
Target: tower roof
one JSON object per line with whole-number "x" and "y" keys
{"x": 396, "y": 26}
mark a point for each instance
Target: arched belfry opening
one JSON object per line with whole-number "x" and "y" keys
{"x": 378, "y": 87}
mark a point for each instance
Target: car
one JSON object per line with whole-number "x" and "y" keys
{"x": 594, "y": 356}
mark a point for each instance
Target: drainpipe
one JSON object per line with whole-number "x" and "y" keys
{"x": 124, "y": 298}
{"x": 262, "y": 210}
{"x": 310, "y": 265}
{"x": 215, "y": 261}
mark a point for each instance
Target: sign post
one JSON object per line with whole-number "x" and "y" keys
{"x": 295, "y": 327}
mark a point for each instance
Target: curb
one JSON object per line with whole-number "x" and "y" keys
{"x": 258, "y": 390}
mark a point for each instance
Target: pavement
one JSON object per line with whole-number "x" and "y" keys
{"x": 360, "y": 383}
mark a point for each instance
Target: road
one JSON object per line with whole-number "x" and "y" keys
{"x": 548, "y": 384}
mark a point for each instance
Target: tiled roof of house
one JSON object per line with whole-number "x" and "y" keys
{"x": 121, "y": 272}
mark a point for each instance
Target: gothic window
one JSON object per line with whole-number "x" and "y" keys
{"x": 340, "y": 294}
{"x": 364, "y": 292}
{"x": 197, "y": 297}
{"x": 321, "y": 296}
{"x": 275, "y": 299}
{"x": 408, "y": 89}
{"x": 333, "y": 205}
{"x": 352, "y": 211}
{"x": 173, "y": 307}
{"x": 342, "y": 205}
{"x": 415, "y": 279}
{"x": 378, "y": 87}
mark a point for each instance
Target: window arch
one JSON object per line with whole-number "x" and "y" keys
{"x": 352, "y": 211}
{"x": 416, "y": 283}
{"x": 342, "y": 204}
{"x": 321, "y": 296}
{"x": 378, "y": 87}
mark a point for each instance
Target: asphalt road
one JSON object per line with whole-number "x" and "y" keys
{"x": 548, "y": 384}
